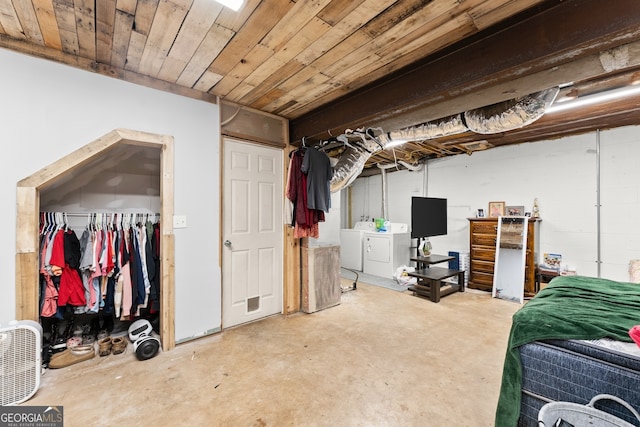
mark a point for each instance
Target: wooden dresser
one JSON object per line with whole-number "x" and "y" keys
{"x": 482, "y": 253}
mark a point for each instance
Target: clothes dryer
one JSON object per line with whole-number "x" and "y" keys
{"x": 384, "y": 252}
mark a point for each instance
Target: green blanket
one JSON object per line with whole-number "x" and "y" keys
{"x": 571, "y": 307}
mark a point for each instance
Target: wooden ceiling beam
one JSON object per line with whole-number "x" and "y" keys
{"x": 92, "y": 66}
{"x": 558, "y": 33}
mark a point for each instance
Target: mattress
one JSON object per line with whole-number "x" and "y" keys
{"x": 575, "y": 371}
{"x": 569, "y": 308}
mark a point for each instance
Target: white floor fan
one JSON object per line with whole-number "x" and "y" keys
{"x": 20, "y": 361}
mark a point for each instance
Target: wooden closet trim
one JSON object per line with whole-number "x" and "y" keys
{"x": 27, "y": 220}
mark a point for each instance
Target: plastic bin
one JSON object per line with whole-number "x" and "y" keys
{"x": 567, "y": 414}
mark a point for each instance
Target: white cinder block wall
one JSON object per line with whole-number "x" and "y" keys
{"x": 561, "y": 173}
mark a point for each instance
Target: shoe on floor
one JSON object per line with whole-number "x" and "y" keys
{"x": 118, "y": 345}
{"x": 67, "y": 358}
{"x": 59, "y": 345}
{"x": 104, "y": 346}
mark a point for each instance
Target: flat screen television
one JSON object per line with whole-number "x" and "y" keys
{"x": 428, "y": 217}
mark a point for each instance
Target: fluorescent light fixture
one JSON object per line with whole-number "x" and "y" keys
{"x": 395, "y": 143}
{"x": 235, "y": 5}
{"x": 594, "y": 99}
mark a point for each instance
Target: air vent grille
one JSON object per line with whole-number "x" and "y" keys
{"x": 20, "y": 361}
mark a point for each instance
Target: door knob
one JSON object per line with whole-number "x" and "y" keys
{"x": 227, "y": 243}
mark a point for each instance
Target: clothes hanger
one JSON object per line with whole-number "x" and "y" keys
{"x": 304, "y": 143}
{"x": 303, "y": 146}
{"x": 58, "y": 220}
{"x": 47, "y": 223}
{"x": 53, "y": 221}
{"x": 43, "y": 222}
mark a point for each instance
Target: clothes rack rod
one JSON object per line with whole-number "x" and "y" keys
{"x": 84, "y": 215}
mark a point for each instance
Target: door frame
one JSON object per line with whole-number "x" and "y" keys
{"x": 285, "y": 237}
{"x": 27, "y": 220}
{"x": 255, "y": 126}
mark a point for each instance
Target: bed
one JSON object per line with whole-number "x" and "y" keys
{"x": 569, "y": 343}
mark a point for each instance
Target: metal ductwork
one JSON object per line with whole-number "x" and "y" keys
{"x": 512, "y": 114}
{"x": 359, "y": 147}
{"x": 500, "y": 117}
{"x": 446, "y": 126}
{"x": 496, "y": 118}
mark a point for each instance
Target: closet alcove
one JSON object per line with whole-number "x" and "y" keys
{"x": 67, "y": 176}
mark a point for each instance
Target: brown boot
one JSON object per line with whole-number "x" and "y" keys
{"x": 118, "y": 345}
{"x": 104, "y": 346}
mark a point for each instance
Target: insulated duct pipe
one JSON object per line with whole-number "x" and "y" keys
{"x": 358, "y": 148}
{"x": 511, "y": 114}
{"x": 350, "y": 164}
{"x": 451, "y": 125}
{"x": 496, "y": 118}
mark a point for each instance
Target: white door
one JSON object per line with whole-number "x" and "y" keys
{"x": 252, "y": 235}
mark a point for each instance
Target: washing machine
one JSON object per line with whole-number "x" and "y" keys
{"x": 351, "y": 244}
{"x": 384, "y": 252}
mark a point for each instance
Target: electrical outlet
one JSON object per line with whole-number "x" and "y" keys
{"x": 179, "y": 221}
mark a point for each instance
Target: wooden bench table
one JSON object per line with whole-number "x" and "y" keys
{"x": 427, "y": 261}
{"x": 430, "y": 281}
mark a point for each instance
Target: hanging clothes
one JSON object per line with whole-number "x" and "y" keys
{"x": 305, "y": 220}
{"x": 154, "y": 293}
{"x": 317, "y": 166}
{"x": 308, "y": 190}
{"x": 113, "y": 268}
{"x": 48, "y": 290}
{"x": 59, "y": 275}
{"x": 71, "y": 287}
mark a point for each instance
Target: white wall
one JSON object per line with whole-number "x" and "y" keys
{"x": 50, "y": 110}
{"x": 561, "y": 173}
{"x": 366, "y": 197}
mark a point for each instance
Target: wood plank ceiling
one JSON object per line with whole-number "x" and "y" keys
{"x": 329, "y": 65}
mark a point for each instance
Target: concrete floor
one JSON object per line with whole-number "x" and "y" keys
{"x": 380, "y": 358}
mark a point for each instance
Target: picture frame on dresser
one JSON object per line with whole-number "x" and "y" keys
{"x": 496, "y": 209}
{"x": 514, "y": 210}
